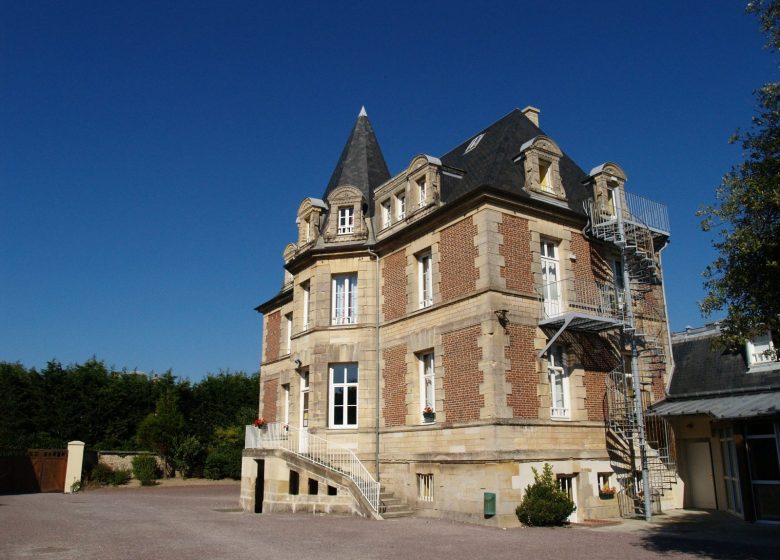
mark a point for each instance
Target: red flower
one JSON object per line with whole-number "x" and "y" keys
{"x": 259, "y": 422}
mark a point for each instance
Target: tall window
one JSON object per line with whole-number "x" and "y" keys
{"x": 425, "y": 283}
{"x": 545, "y": 181}
{"x": 400, "y": 206}
{"x": 559, "y": 383}
{"x": 343, "y": 395}
{"x": 609, "y": 203}
{"x": 422, "y": 192}
{"x": 306, "y": 230}
{"x": 286, "y": 403}
{"x": 306, "y": 289}
{"x": 427, "y": 383}
{"x": 550, "y": 286}
{"x": 344, "y": 299}
{"x": 387, "y": 217}
{"x": 305, "y": 399}
{"x": 289, "y": 320}
{"x": 346, "y": 220}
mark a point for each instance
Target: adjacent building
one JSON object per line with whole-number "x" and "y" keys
{"x": 454, "y": 325}
{"x": 724, "y": 406}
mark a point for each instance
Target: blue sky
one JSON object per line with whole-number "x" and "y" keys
{"x": 153, "y": 154}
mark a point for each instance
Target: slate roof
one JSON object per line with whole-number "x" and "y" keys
{"x": 361, "y": 164}
{"x": 491, "y": 163}
{"x": 712, "y": 381}
{"x": 701, "y": 369}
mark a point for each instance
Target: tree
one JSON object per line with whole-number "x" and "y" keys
{"x": 744, "y": 279}
{"x": 160, "y": 429}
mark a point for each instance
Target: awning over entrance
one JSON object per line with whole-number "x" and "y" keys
{"x": 735, "y": 406}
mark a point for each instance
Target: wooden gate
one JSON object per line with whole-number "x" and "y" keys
{"x": 49, "y": 466}
{"x": 34, "y": 470}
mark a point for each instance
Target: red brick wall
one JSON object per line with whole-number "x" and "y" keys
{"x": 394, "y": 375}
{"x": 462, "y": 375}
{"x": 583, "y": 266}
{"x": 595, "y": 390}
{"x": 516, "y": 250}
{"x": 456, "y": 265}
{"x": 522, "y": 375}
{"x": 270, "y": 390}
{"x": 273, "y": 326}
{"x": 394, "y": 286}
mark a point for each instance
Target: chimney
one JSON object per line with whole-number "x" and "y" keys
{"x": 533, "y": 114}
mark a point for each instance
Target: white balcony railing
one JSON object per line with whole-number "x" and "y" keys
{"x": 317, "y": 450}
{"x": 599, "y": 299}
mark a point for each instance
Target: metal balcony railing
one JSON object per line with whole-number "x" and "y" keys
{"x": 598, "y": 299}
{"x": 317, "y": 450}
{"x": 633, "y": 209}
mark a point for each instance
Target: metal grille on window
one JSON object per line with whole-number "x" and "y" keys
{"x": 425, "y": 487}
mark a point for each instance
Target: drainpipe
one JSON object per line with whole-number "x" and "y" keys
{"x": 369, "y": 225}
{"x": 666, "y": 313}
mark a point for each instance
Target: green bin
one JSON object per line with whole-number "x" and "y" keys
{"x": 490, "y": 504}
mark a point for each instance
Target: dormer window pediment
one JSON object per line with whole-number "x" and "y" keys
{"x": 541, "y": 167}
{"x": 608, "y": 180}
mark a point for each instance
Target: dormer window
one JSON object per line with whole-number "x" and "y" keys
{"x": 346, "y": 220}
{"x": 541, "y": 158}
{"x": 422, "y": 192}
{"x": 400, "y": 206}
{"x": 544, "y": 176}
{"x": 387, "y": 217}
{"x": 761, "y": 351}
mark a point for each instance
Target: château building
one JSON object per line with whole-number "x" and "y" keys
{"x": 442, "y": 331}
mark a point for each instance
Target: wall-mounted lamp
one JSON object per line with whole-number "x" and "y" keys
{"x": 503, "y": 320}
{"x": 572, "y": 257}
{"x": 298, "y": 363}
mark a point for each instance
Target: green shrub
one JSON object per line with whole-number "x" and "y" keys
{"x": 223, "y": 463}
{"x": 544, "y": 503}
{"x": 145, "y": 469}
{"x": 188, "y": 456}
{"x": 103, "y": 475}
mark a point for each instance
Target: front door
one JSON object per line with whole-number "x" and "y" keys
{"x": 700, "y": 479}
{"x": 260, "y": 486}
{"x": 551, "y": 289}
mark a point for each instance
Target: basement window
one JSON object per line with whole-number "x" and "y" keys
{"x": 314, "y": 487}
{"x": 295, "y": 479}
{"x": 425, "y": 487}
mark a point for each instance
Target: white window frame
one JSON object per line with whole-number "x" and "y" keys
{"x": 425, "y": 279}
{"x": 422, "y": 191}
{"x": 427, "y": 366}
{"x": 289, "y": 319}
{"x": 400, "y": 206}
{"x": 346, "y": 220}
{"x": 757, "y": 348}
{"x": 344, "y": 299}
{"x": 425, "y": 487}
{"x": 387, "y": 213}
{"x": 558, "y": 375}
{"x": 306, "y": 289}
{"x": 545, "y": 176}
{"x": 285, "y": 403}
{"x": 348, "y": 388}
{"x": 305, "y": 404}
{"x": 551, "y": 281}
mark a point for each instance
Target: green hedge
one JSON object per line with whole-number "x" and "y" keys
{"x": 145, "y": 469}
{"x": 544, "y": 503}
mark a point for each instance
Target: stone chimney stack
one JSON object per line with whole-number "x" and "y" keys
{"x": 533, "y": 114}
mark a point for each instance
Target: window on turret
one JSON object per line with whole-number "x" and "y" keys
{"x": 346, "y": 220}
{"x": 387, "y": 218}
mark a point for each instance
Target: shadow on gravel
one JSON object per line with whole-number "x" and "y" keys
{"x": 715, "y": 535}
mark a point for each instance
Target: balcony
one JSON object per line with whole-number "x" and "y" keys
{"x": 582, "y": 305}
{"x": 634, "y": 211}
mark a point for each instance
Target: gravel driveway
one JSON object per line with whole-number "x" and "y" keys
{"x": 196, "y": 522}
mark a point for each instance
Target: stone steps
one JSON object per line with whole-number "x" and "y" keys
{"x": 391, "y": 507}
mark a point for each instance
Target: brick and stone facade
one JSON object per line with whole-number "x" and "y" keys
{"x": 447, "y": 267}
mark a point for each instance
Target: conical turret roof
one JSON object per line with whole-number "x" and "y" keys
{"x": 361, "y": 164}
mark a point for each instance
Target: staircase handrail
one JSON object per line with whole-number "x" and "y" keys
{"x": 338, "y": 458}
{"x": 602, "y": 299}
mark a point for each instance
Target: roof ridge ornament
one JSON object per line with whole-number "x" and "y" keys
{"x": 362, "y": 111}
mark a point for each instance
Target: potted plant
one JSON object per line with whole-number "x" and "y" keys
{"x": 428, "y": 414}
{"x": 261, "y": 423}
{"x": 607, "y": 492}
